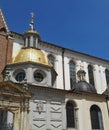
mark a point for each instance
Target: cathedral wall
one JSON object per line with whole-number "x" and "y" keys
{"x": 47, "y": 110}
{"x": 83, "y": 104}
{"x": 57, "y": 53}
{"x": 62, "y": 68}
{"x": 82, "y": 62}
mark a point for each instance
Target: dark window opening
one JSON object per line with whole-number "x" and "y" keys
{"x": 91, "y": 77}
{"x": 72, "y": 74}
{"x": 70, "y": 115}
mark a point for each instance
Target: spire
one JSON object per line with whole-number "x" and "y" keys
{"x": 3, "y": 25}
{"x": 32, "y": 21}
{"x": 31, "y": 36}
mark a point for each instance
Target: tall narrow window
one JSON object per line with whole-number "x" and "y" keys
{"x": 91, "y": 77}
{"x": 96, "y": 118}
{"x": 107, "y": 76}
{"x": 70, "y": 112}
{"x": 72, "y": 73}
{"x": 52, "y": 60}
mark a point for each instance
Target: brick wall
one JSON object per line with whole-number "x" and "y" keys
{"x": 5, "y": 52}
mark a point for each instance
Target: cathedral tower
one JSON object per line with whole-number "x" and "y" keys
{"x": 6, "y": 43}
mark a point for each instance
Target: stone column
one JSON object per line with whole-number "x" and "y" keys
{"x": 17, "y": 120}
{"x": 21, "y": 116}
{"x": 26, "y": 121}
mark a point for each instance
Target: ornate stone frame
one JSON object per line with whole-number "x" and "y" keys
{"x": 15, "y": 99}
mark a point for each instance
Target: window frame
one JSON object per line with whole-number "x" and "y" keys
{"x": 52, "y": 59}
{"x": 91, "y": 75}
{"x": 70, "y": 120}
{"x": 72, "y": 71}
{"x": 43, "y": 75}
{"x": 107, "y": 77}
{"x": 18, "y": 75}
{"x": 95, "y": 110}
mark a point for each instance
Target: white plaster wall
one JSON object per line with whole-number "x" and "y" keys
{"x": 103, "y": 79}
{"x": 16, "y": 48}
{"x": 83, "y": 104}
{"x": 81, "y": 61}
{"x": 59, "y": 70}
{"x": 67, "y": 74}
{"x": 97, "y": 78}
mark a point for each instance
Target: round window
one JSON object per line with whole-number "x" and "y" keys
{"x": 20, "y": 76}
{"x": 38, "y": 76}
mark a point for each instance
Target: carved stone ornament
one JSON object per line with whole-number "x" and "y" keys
{"x": 39, "y": 106}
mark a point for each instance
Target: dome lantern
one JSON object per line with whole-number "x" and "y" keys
{"x": 81, "y": 75}
{"x": 31, "y": 37}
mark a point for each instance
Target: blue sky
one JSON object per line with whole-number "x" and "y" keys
{"x": 81, "y": 25}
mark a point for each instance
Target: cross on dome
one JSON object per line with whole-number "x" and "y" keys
{"x": 32, "y": 21}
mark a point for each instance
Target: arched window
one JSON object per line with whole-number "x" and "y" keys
{"x": 91, "y": 76}
{"x": 96, "y": 118}
{"x": 72, "y": 73}
{"x": 107, "y": 76}
{"x": 52, "y": 60}
{"x": 70, "y": 113}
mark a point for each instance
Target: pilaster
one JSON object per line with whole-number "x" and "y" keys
{"x": 48, "y": 115}
{"x": 97, "y": 78}
{"x": 103, "y": 79}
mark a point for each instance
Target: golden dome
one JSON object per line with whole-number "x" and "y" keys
{"x": 31, "y": 55}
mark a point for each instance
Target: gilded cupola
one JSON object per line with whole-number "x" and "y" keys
{"x": 30, "y": 64}
{"x": 31, "y": 55}
{"x": 30, "y": 51}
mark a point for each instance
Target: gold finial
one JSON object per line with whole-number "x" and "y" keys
{"x": 32, "y": 21}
